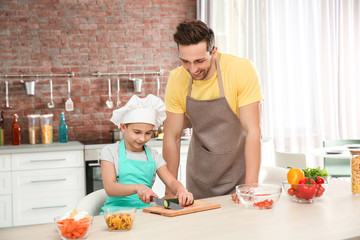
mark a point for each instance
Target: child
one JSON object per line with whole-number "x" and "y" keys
{"x": 128, "y": 167}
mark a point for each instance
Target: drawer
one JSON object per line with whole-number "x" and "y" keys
{"x": 39, "y": 181}
{"x": 46, "y": 160}
{"x": 5, "y": 163}
{"x": 5, "y": 183}
{"x": 42, "y": 208}
{"x": 5, "y": 211}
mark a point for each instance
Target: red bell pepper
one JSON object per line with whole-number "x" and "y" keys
{"x": 306, "y": 189}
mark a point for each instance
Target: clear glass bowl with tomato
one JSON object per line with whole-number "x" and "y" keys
{"x": 258, "y": 196}
{"x": 305, "y": 192}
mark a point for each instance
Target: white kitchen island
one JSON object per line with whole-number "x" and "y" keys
{"x": 336, "y": 216}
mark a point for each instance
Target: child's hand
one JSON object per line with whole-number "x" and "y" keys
{"x": 145, "y": 193}
{"x": 185, "y": 198}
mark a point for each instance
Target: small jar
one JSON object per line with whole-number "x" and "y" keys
{"x": 46, "y": 128}
{"x": 355, "y": 171}
{"x": 34, "y": 129}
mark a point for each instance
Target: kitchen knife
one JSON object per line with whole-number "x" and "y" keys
{"x": 166, "y": 203}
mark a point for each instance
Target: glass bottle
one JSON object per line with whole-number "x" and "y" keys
{"x": 16, "y": 131}
{"x": 63, "y": 130}
{"x": 355, "y": 171}
{"x": 2, "y": 134}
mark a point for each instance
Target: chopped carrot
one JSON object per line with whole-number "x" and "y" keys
{"x": 82, "y": 234}
{"x": 76, "y": 233}
{"x": 72, "y": 229}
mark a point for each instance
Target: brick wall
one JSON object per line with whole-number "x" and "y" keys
{"x": 83, "y": 37}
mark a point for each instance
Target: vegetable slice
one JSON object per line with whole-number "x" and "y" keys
{"x": 173, "y": 200}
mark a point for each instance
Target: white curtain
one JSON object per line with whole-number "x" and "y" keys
{"x": 307, "y": 54}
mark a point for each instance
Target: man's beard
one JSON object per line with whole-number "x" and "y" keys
{"x": 206, "y": 71}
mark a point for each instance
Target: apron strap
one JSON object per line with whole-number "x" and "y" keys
{"x": 122, "y": 151}
{"x": 220, "y": 82}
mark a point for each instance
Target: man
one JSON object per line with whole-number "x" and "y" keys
{"x": 221, "y": 96}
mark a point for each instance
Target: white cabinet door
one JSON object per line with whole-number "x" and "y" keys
{"x": 29, "y": 209}
{"x": 5, "y": 211}
{"x": 47, "y": 160}
{"x": 182, "y": 166}
{"x": 48, "y": 180}
{"x": 5, "y": 162}
{"x": 5, "y": 183}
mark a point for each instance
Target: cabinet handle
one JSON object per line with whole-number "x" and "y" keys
{"x": 94, "y": 165}
{"x": 49, "y": 180}
{"x": 59, "y": 206}
{"x": 48, "y": 160}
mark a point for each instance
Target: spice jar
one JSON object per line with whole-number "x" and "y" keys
{"x": 46, "y": 128}
{"x": 34, "y": 128}
{"x": 355, "y": 171}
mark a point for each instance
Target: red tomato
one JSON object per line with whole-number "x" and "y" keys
{"x": 291, "y": 192}
{"x": 320, "y": 191}
{"x": 320, "y": 180}
{"x": 267, "y": 204}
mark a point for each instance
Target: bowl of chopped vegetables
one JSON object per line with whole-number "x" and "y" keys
{"x": 307, "y": 190}
{"x": 119, "y": 218}
{"x": 306, "y": 185}
{"x": 73, "y": 225}
{"x": 258, "y": 196}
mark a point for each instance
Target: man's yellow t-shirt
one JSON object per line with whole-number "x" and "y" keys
{"x": 240, "y": 81}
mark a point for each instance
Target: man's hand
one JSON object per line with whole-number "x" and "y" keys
{"x": 235, "y": 198}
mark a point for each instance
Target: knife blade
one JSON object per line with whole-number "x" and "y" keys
{"x": 168, "y": 204}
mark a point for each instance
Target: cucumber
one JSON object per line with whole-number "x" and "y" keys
{"x": 173, "y": 200}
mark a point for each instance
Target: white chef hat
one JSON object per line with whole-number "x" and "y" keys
{"x": 150, "y": 109}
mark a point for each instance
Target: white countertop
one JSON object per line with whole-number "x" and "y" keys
{"x": 153, "y": 142}
{"x": 29, "y": 148}
{"x": 72, "y": 145}
{"x": 336, "y": 216}
{"x": 332, "y": 152}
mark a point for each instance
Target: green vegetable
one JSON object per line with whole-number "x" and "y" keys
{"x": 174, "y": 200}
{"x": 313, "y": 173}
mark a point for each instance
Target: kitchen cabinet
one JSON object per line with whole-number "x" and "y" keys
{"x": 5, "y": 191}
{"x": 159, "y": 186}
{"x": 43, "y": 182}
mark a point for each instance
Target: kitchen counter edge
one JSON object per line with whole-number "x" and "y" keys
{"x": 32, "y": 148}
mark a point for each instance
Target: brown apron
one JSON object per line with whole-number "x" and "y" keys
{"x": 216, "y": 162}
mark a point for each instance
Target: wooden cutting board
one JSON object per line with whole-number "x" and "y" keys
{"x": 198, "y": 206}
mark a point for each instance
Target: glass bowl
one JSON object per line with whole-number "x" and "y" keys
{"x": 76, "y": 227}
{"x": 258, "y": 196}
{"x": 120, "y": 218}
{"x": 297, "y": 193}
